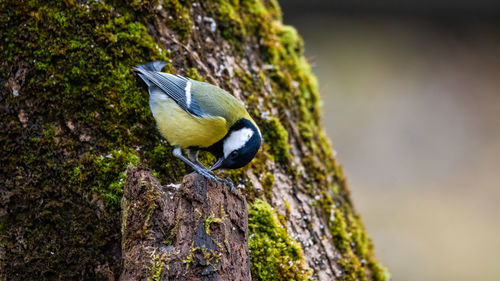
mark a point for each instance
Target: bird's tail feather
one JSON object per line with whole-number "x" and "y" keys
{"x": 151, "y": 66}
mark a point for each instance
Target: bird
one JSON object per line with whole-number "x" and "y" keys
{"x": 198, "y": 116}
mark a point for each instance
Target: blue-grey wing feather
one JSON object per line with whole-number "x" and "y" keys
{"x": 152, "y": 66}
{"x": 172, "y": 85}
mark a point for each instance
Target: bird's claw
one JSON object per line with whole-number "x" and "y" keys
{"x": 211, "y": 176}
{"x": 230, "y": 183}
{"x": 208, "y": 175}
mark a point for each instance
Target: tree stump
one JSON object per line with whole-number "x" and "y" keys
{"x": 195, "y": 231}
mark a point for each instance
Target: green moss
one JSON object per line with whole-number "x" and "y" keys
{"x": 349, "y": 237}
{"x": 231, "y": 24}
{"x": 210, "y": 256}
{"x": 338, "y": 229}
{"x": 335, "y": 189}
{"x": 158, "y": 264}
{"x": 167, "y": 167}
{"x": 276, "y": 136}
{"x": 274, "y": 254}
{"x": 292, "y": 76}
{"x": 237, "y": 19}
{"x": 287, "y": 206}
{"x": 268, "y": 181}
{"x": 156, "y": 270}
{"x": 255, "y": 7}
{"x": 209, "y": 220}
{"x": 106, "y": 174}
{"x": 291, "y": 40}
{"x": 190, "y": 257}
{"x": 378, "y": 271}
{"x": 179, "y": 18}
{"x": 172, "y": 233}
{"x": 193, "y": 74}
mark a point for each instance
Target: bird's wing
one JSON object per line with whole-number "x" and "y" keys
{"x": 215, "y": 101}
{"x": 176, "y": 87}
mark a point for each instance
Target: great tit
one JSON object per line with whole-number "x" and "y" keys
{"x": 195, "y": 115}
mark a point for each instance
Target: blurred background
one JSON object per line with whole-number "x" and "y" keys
{"x": 411, "y": 93}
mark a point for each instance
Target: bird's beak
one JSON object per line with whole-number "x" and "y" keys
{"x": 217, "y": 164}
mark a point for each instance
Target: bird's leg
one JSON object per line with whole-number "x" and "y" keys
{"x": 193, "y": 156}
{"x": 177, "y": 152}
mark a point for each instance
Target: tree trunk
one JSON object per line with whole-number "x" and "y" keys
{"x": 73, "y": 118}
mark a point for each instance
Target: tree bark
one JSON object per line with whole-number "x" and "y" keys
{"x": 195, "y": 231}
{"x": 73, "y": 117}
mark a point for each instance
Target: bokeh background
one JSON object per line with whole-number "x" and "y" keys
{"x": 411, "y": 93}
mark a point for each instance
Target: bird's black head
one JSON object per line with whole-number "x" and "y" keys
{"x": 238, "y": 147}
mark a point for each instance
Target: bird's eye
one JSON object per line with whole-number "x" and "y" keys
{"x": 234, "y": 154}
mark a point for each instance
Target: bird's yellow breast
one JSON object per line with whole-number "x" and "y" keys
{"x": 185, "y": 130}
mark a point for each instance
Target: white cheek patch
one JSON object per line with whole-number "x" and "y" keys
{"x": 236, "y": 140}
{"x": 188, "y": 93}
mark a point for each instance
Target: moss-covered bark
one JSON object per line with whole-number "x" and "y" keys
{"x": 73, "y": 117}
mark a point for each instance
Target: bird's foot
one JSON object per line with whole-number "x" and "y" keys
{"x": 199, "y": 164}
{"x": 211, "y": 176}
{"x": 207, "y": 174}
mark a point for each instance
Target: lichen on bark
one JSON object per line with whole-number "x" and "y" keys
{"x": 73, "y": 117}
